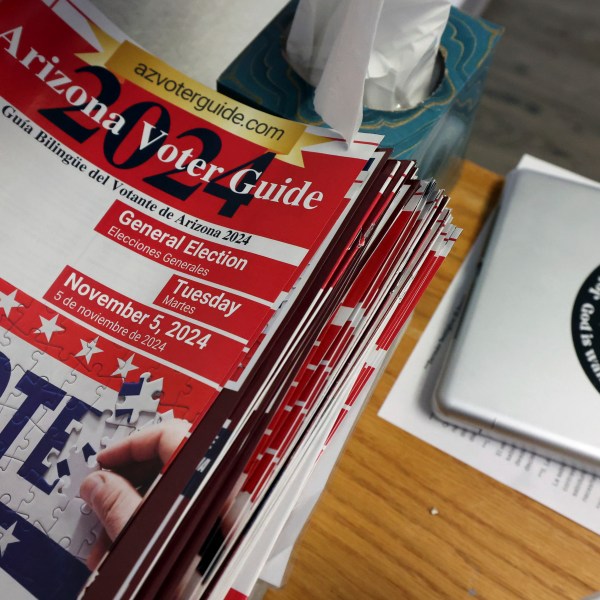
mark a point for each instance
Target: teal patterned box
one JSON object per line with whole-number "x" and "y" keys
{"x": 435, "y": 132}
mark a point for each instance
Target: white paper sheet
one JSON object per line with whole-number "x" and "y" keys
{"x": 569, "y": 491}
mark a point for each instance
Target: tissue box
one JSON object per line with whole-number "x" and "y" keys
{"x": 435, "y": 132}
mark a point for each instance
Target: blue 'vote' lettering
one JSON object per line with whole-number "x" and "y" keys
{"x": 38, "y": 392}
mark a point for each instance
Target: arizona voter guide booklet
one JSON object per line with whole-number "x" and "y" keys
{"x": 193, "y": 297}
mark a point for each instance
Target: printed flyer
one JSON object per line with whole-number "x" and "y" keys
{"x": 195, "y": 296}
{"x": 146, "y": 253}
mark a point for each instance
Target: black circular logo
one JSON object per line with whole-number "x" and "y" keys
{"x": 585, "y": 326}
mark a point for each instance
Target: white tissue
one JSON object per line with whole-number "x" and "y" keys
{"x": 380, "y": 53}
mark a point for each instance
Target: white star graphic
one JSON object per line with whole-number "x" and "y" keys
{"x": 8, "y": 301}
{"x": 125, "y": 366}
{"x": 49, "y": 327}
{"x": 7, "y": 537}
{"x": 88, "y": 349}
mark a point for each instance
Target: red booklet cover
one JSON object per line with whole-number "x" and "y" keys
{"x": 174, "y": 264}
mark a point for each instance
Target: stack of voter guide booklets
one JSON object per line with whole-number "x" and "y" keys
{"x": 169, "y": 253}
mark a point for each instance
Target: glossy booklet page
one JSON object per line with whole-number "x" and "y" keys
{"x": 144, "y": 247}
{"x": 193, "y": 293}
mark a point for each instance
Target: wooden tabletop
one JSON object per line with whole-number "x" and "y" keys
{"x": 372, "y": 535}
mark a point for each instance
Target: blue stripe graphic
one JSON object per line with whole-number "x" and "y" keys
{"x": 36, "y": 562}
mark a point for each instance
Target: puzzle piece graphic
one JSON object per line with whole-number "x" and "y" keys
{"x": 75, "y": 468}
{"x": 38, "y": 507}
{"x": 75, "y": 528}
{"x": 79, "y": 417}
{"x": 20, "y": 358}
{"x": 11, "y": 370}
{"x": 93, "y": 430}
{"x": 99, "y": 358}
{"x": 43, "y": 325}
{"x": 13, "y": 305}
{"x": 7, "y": 500}
{"x": 14, "y": 487}
{"x": 105, "y": 393}
{"x": 48, "y": 367}
{"x": 56, "y": 574}
{"x": 157, "y": 419}
{"x": 70, "y": 466}
{"x": 22, "y": 445}
{"x": 116, "y": 430}
{"x": 142, "y": 396}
